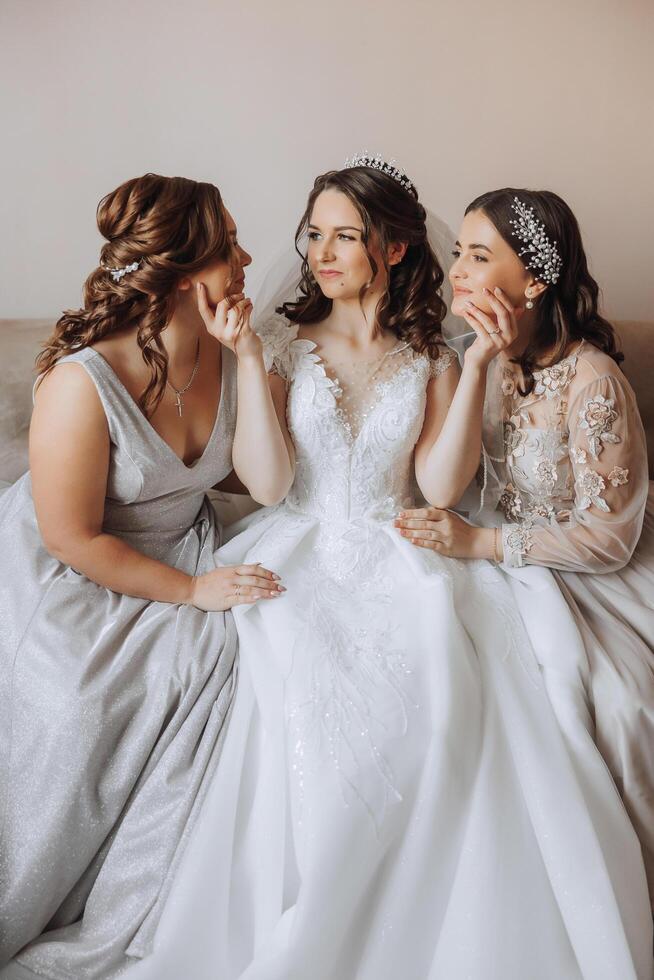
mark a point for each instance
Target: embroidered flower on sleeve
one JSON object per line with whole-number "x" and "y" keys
{"x": 511, "y": 502}
{"x": 597, "y": 417}
{"x": 551, "y": 381}
{"x": 590, "y": 485}
{"x": 579, "y": 456}
{"x": 514, "y": 440}
{"x": 519, "y": 539}
{"x": 508, "y": 386}
{"x": 618, "y": 476}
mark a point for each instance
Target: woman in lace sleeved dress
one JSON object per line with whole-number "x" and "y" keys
{"x": 394, "y": 798}
{"x": 116, "y": 647}
{"x": 566, "y": 480}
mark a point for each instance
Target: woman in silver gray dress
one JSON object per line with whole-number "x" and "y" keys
{"x": 116, "y": 645}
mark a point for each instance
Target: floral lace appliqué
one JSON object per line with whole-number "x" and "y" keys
{"x": 597, "y": 417}
{"x": 519, "y": 538}
{"x": 579, "y": 456}
{"x": 546, "y": 473}
{"x": 511, "y": 503}
{"x": 440, "y": 364}
{"x": 277, "y": 335}
{"x": 618, "y": 477}
{"x": 514, "y": 440}
{"x": 590, "y": 486}
{"x": 552, "y": 381}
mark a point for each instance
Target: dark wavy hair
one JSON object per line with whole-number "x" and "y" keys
{"x": 174, "y": 227}
{"x": 568, "y": 309}
{"x": 411, "y": 307}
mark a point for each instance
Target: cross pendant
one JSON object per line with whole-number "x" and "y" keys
{"x": 179, "y": 405}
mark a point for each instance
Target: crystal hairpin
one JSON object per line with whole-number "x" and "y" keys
{"x": 377, "y": 162}
{"x": 117, "y": 274}
{"x": 544, "y": 258}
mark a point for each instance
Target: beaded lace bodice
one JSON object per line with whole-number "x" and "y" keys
{"x": 354, "y": 427}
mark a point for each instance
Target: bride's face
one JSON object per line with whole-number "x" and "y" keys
{"x": 336, "y": 252}
{"x": 483, "y": 259}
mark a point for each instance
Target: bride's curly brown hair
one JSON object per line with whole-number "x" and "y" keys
{"x": 411, "y": 306}
{"x": 172, "y": 227}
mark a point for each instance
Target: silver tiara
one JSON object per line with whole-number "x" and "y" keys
{"x": 378, "y": 163}
{"x": 544, "y": 258}
{"x": 117, "y": 274}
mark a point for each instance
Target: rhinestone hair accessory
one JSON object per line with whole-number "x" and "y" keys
{"x": 543, "y": 254}
{"x": 377, "y": 162}
{"x": 117, "y": 274}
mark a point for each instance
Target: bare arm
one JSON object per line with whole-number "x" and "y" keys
{"x": 69, "y": 462}
{"x": 449, "y": 448}
{"x": 263, "y": 453}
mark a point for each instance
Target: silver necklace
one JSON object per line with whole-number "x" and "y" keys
{"x": 180, "y": 391}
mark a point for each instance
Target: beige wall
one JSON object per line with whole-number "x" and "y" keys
{"x": 261, "y": 96}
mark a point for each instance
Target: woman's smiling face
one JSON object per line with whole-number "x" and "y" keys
{"x": 484, "y": 260}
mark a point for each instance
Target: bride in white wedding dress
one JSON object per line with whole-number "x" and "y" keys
{"x": 394, "y": 799}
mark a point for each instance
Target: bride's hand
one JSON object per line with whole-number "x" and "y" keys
{"x": 238, "y": 585}
{"x": 447, "y": 533}
{"x": 493, "y": 335}
{"x": 230, "y": 323}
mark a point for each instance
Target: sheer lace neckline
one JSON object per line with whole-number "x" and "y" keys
{"x": 357, "y": 385}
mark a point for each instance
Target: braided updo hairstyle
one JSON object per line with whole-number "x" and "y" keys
{"x": 172, "y": 227}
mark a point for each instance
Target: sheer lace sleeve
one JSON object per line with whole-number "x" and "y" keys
{"x": 277, "y": 336}
{"x": 608, "y": 457}
{"x": 441, "y": 363}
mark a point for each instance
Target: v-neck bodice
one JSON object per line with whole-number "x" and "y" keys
{"x": 358, "y": 462}
{"x": 152, "y": 495}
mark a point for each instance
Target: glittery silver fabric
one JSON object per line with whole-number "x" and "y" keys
{"x": 112, "y": 708}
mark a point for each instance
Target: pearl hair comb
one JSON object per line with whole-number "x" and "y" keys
{"x": 544, "y": 258}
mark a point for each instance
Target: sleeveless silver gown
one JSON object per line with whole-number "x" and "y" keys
{"x": 112, "y": 708}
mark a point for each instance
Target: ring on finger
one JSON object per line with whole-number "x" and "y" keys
{"x": 494, "y": 331}
{"x": 238, "y": 590}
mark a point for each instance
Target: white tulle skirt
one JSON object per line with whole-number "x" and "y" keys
{"x": 395, "y": 797}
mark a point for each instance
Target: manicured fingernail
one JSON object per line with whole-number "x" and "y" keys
{"x": 276, "y": 577}
{"x": 497, "y": 290}
{"x": 487, "y": 291}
